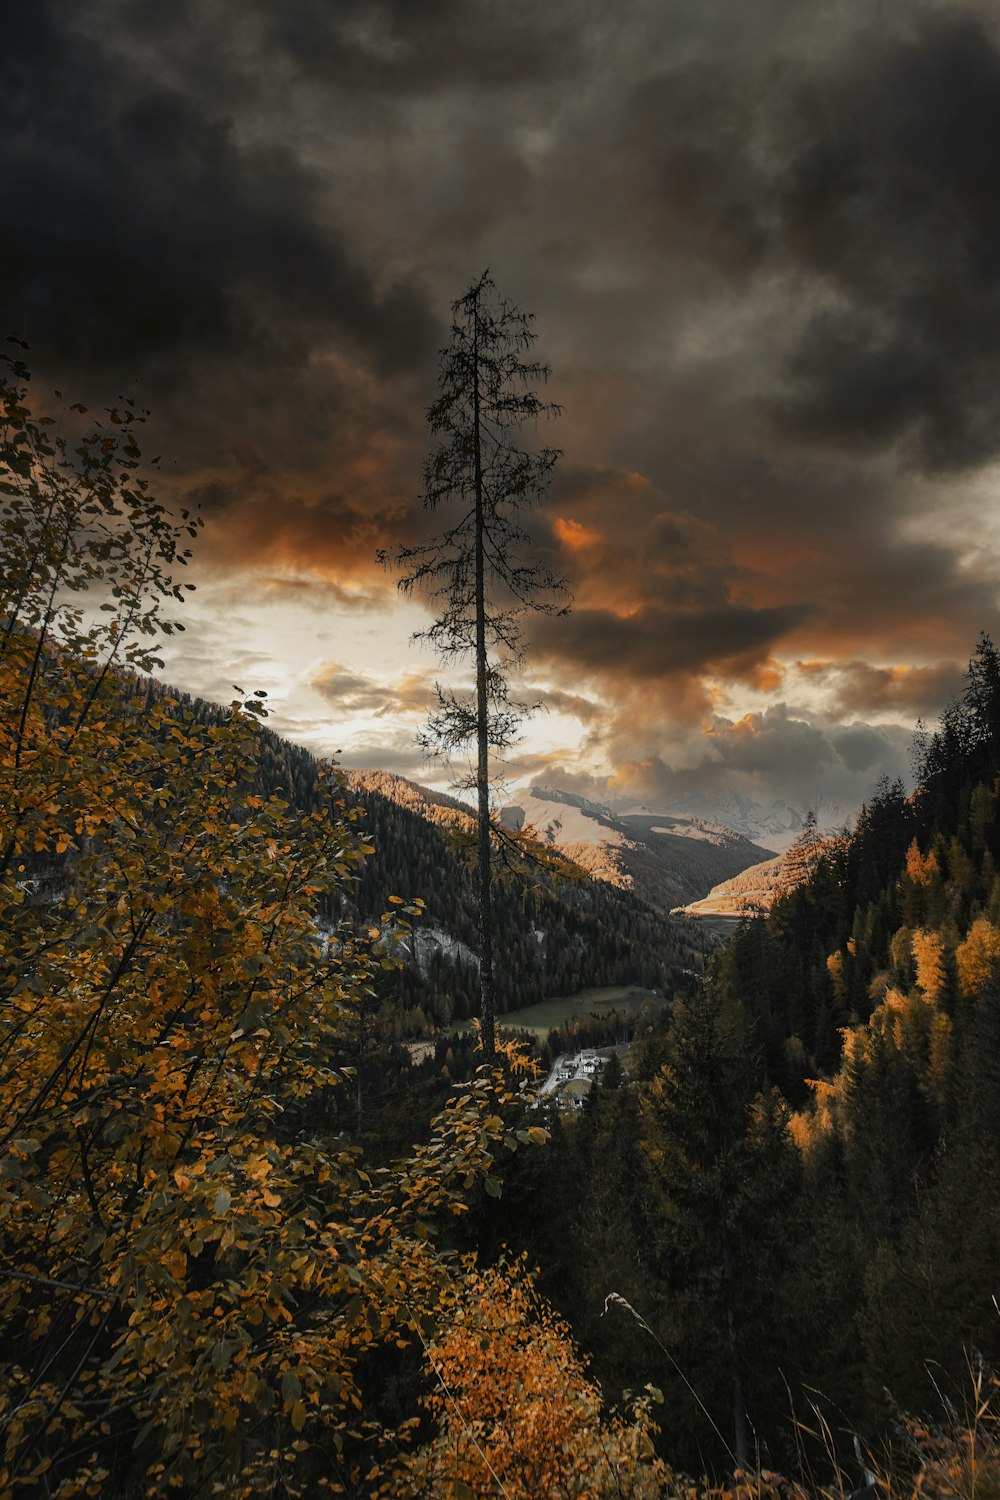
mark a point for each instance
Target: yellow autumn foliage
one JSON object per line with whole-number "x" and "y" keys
{"x": 922, "y": 869}
{"x": 516, "y": 1413}
{"x": 928, "y": 956}
{"x": 978, "y": 957}
{"x": 187, "y": 1283}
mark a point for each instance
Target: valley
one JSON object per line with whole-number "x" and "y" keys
{"x": 564, "y": 931}
{"x": 619, "y": 1004}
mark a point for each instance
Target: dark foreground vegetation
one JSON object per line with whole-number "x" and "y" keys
{"x": 777, "y": 1224}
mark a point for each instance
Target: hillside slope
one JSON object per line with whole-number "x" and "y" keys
{"x": 665, "y": 859}
{"x": 755, "y": 889}
{"x": 555, "y": 936}
{"x": 751, "y": 891}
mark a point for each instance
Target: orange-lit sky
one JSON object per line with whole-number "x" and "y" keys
{"x": 762, "y": 245}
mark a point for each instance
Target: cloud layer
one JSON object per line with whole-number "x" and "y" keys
{"x": 763, "y": 246}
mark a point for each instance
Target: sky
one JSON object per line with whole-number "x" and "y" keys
{"x": 762, "y": 246}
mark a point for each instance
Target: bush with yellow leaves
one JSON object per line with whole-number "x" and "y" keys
{"x": 517, "y": 1415}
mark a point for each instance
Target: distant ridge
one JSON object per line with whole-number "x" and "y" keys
{"x": 774, "y": 825}
{"x": 667, "y": 859}
{"x": 407, "y": 793}
{"x": 755, "y": 889}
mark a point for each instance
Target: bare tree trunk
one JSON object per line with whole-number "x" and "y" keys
{"x": 359, "y": 1078}
{"x": 488, "y": 1031}
{"x": 741, "y": 1440}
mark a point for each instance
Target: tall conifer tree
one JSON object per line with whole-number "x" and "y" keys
{"x": 478, "y": 572}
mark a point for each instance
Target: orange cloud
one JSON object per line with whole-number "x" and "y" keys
{"x": 742, "y": 729}
{"x": 767, "y": 676}
{"x": 574, "y": 535}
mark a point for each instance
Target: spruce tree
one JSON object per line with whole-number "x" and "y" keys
{"x": 726, "y": 1176}
{"x": 478, "y": 572}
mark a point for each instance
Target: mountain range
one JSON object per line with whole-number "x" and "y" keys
{"x": 556, "y": 936}
{"x": 773, "y": 825}
{"x": 665, "y": 858}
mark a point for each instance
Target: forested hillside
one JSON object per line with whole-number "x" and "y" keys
{"x": 557, "y": 933}
{"x": 755, "y": 889}
{"x": 797, "y": 1187}
{"x": 559, "y": 930}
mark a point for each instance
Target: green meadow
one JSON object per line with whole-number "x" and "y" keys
{"x": 546, "y": 1015}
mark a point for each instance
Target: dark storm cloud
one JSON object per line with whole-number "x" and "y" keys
{"x": 853, "y": 185}
{"x": 657, "y": 642}
{"x": 657, "y": 593}
{"x": 859, "y": 746}
{"x": 354, "y": 693}
{"x": 776, "y": 741}
{"x": 688, "y": 129}
{"x": 871, "y": 586}
{"x": 396, "y": 46}
{"x": 142, "y": 231}
{"x": 314, "y": 593}
{"x": 332, "y": 536}
{"x": 777, "y": 528}
{"x": 762, "y": 242}
{"x": 892, "y": 202}
{"x": 663, "y": 593}
{"x": 763, "y": 755}
{"x": 555, "y": 701}
{"x": 867, "y": 175}
{"x": 782, "y": 747}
